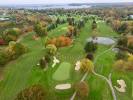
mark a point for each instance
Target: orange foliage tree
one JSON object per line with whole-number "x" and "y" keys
{"x": 60, "y": 41}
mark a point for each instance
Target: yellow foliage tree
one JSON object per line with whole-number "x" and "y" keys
{"x": 87, "y": 65}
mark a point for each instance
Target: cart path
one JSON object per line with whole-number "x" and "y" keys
{"x": 103, "y": 77}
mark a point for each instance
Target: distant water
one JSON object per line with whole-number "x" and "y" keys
{"x": 65, "y": 7}
{"x": 39, "y": 7}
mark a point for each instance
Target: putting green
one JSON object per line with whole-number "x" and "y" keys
{"x": 63, "y": 72}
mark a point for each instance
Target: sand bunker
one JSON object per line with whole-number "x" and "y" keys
{"x": 122, "y": 86}
{"x": 63, "y": 86}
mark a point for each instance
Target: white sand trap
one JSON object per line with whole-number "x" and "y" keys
{"x": 122, "y": 85}
{"x": 77, "y": 67}
{"x": 55, "y": 61}
{"x": 63, "y": 86}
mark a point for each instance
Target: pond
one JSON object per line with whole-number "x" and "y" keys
{"x": 102, "y": 40}
{"x": 4, "y": 19}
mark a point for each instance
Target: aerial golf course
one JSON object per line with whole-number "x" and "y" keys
{"x": 24, "y": 71}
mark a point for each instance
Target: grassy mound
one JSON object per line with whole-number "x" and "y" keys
{"x": 63, "y": 72}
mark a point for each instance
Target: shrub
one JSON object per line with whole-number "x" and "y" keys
{"x": 35, "y": 92}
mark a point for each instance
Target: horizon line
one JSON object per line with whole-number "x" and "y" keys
{"x": 68, "y": 3}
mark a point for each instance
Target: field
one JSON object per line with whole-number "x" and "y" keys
{"x": 24, "y": 72}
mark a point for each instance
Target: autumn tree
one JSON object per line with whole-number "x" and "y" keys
{"x": 82, "y": 89}
{"x": 11, "y": 34}
{"x": 15, "y": 50}
{"x": 35, "y": 92}
{"x": 40, "y": 30}
{"x": 86, "y": 65}
{"x": 116, "y": 24}
{"x": 51, "y": 49}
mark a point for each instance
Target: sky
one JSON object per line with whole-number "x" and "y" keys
{"x": 3, "y": 2}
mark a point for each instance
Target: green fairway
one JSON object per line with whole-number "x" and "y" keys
{"x": 63, "y": 72}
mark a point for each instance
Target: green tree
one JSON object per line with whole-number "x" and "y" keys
{"x": 90, "y": 47}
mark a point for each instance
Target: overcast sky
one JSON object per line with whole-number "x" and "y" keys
{"x": 58, "y": 1}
